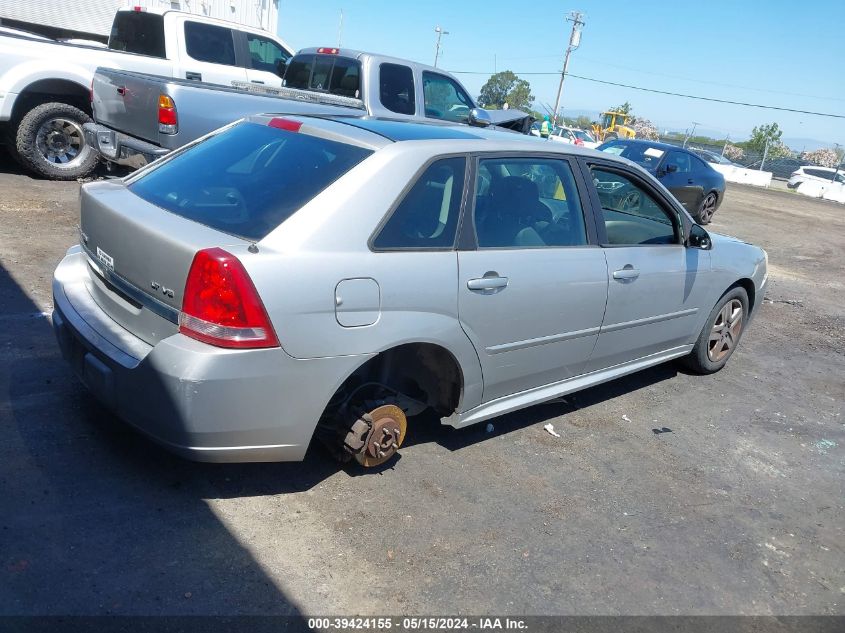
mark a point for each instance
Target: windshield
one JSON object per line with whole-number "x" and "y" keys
{"x": 247, "y": 180}
{"x": 641, "y": 153}
{"x": 582, "y": 135}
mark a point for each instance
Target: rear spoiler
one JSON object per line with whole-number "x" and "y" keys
{"x": 295, "y": 94}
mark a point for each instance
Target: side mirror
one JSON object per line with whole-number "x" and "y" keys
{"x": 671, "y": 168}
{"x": 699, "y": 238}
{"x": 281, "y": 67}
{"x": 479, "y": 118}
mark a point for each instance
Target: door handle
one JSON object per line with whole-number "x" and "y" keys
{"x": 628, "y": 272}
{"x": 690, "y": 181}
{"x": 193, "y": 76}
{"x": 256, "y": 81}
{"x": 487, "y": 283}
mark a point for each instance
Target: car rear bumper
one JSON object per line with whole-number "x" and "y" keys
{"x": 120, "y": 148}
{"x": 202, "y": 402}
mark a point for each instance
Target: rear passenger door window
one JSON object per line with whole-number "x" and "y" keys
{"x": 427, "y": 216}
{"x": 527, "y": 203}
{"x": 396, "y": 88}
{"x": 632, "y": 215}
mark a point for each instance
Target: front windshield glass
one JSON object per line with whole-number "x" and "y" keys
{"x": 582, "y": 135}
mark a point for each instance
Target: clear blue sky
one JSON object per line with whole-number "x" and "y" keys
{"x": 774, "y": 53}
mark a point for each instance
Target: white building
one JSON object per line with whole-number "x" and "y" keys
{"x": 93, "y": 18}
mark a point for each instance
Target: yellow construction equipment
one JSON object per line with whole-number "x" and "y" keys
{"x": 613, "y": 125}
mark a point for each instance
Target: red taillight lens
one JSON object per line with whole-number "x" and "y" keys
{"x": 221, "y": 305}
{"x": 328, "y": 51}
{"x": 168, "y": 122}
{"x": 285, "y": 124}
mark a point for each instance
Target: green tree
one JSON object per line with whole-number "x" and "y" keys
{"x": 506, "y": 87}
{"x": 625, "y": 108}
{"x": 582, "y": 122}
{"x": 763, "y": 135}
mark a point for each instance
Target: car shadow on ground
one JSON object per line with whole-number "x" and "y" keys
{"x": 96, "y": 520}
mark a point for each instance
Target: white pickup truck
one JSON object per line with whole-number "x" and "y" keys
{"x": 45, "y": 85}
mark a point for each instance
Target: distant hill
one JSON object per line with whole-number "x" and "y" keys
{"x": 809, "y": 144}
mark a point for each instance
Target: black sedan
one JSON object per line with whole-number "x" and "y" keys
{"x": 695, "y": 184}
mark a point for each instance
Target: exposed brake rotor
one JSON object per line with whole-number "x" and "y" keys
{"x": 376, "y": 436}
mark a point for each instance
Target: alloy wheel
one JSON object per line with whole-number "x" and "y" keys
{"x": 725, "y": 332}
{"x": 708, "y": 207}
{"x": 60, "y": 142}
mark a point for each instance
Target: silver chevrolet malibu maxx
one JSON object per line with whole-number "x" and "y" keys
{"x": 290, "y": 278}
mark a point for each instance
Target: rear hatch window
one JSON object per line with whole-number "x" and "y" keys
{"x": 249, "y": 179}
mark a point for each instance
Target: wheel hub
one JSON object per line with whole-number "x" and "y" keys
{"x": 57, "y": 141}
{"x": 377, "y": 435}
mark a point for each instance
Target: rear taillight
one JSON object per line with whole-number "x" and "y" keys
{"x": 168, "y": 123}
{"x": 221, "y": 305}
{"x": 324, "y": 50}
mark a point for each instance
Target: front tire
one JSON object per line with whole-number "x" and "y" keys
{"x": 721, "y": 333}
{"x": 49, "y": 141}
{"x": 707, "y": 208}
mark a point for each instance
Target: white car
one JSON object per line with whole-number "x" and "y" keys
{"x": 816, "y": 174}
{"x": 574, "y": 136}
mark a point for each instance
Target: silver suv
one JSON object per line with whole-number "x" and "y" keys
{"x": 293, "y": 277}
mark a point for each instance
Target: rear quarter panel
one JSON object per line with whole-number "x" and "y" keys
{"x": 326, "y": 242}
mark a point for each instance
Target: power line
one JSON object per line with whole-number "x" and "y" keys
{"x": 672, "y": 94}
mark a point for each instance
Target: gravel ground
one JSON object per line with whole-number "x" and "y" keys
{"x": 737, "y": 508}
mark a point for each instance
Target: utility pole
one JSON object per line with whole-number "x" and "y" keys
{"x": 340, "y": 29}
{"x": 694, "y": 125}
{"x": 838, "y": 162}
{"x": 765, "y": 153}
{"x": 440, "y": 33}
{"x": 577, "y": 19}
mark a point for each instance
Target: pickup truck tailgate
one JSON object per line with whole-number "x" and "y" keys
{"x": 127, "y": 102}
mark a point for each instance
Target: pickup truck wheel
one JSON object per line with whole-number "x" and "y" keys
{"x": 50, "y": 142}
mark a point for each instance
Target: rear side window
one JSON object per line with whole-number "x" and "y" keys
{"x": 427, "y": 217}
{"x": 138, "y": 32}
{"x": 396, "y": 88}
{"x": 210, "y": 43}
{"x": 249, "y": 179}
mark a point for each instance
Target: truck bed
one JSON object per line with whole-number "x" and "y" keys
{"x": 127, "y": 102}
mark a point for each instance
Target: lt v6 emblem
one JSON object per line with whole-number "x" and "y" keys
{"x": 167, "y": 292}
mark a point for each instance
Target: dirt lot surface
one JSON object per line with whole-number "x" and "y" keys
{"x": 737, "y": 510}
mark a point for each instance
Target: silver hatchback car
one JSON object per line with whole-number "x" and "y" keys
{"x": 288, "y": 278}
